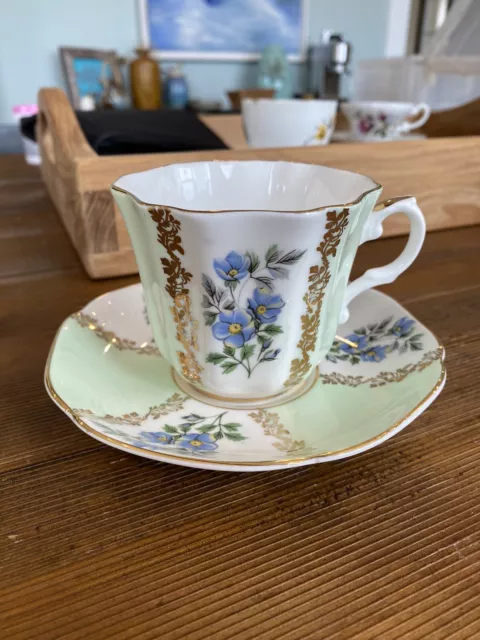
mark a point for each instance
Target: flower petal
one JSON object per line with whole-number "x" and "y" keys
{"x": 220, "y": 330}
{"x": 248, "y": 331}
{"x": 253, "y": 304}
{"x": 207, "y": 446}
{"x": 235, "y": 340}
{"x": 242, "y": 317}
{"x": 275, "y": 302}
{"x": 205, "y": 437}
{"x": 235, "y": 260}
{"x": 271, "y": 314}
{"x": 227, "y": 316}
{"x": 261, "y": 295}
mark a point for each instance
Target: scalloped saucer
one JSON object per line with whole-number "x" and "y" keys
{"x": 106, "y": 374}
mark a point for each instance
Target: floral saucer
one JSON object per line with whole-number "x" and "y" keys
{"x": 106, "y": 373}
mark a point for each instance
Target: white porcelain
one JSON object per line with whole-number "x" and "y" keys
{"x": 384, "y": 120}
{"x": 245, "y": 267}
{"x": 106, "y": 374}
{"x": 288, "y": 123}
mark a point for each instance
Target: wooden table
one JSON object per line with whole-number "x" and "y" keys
{"x": 96, "y": 543}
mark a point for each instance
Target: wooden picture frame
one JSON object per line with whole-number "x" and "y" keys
{"x": 69, "y": 57}
{"x": 143, "y": 9}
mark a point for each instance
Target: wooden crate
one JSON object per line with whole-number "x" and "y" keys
{"x": 442, "y": 173}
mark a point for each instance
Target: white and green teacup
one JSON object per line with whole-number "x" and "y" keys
{"x": 245, "y": 268}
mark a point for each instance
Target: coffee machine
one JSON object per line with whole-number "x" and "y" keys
{"x": 327, "y": 63}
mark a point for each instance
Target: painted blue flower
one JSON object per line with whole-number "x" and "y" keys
{"x": 402, "y": 327}
{"x": 234, "y": 267}
{"x": 265, "y": 305}
{"x": 197, "y": 442}
{"x": 360, "y": 341}
{"x": 272, "y": 355}
{"x": 235, "y": 328}
{"x": 156, "y": 437}
{"x": 374, "y": 354}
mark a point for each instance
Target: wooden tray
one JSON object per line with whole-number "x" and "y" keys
{"x": 442, "y": 173}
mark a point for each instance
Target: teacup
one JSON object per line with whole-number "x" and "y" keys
{"x": 380, "y": 120}
{"x": 288, "y": 123}
{"x": 245, "y": 268}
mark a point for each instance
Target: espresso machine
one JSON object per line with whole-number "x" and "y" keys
{"x": 327, "y": 63}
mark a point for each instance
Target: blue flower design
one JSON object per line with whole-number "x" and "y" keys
{"x": 197, "y": 442}
{"x": 374, "y": 354}
{"x": 402, "y": 327}
{"x": 273, "y": 355}
{"x": 265, "y": 306}
{"x": 234, "y": 267}
{"x": 235, "y": 328}
{"x": 151, "y": 440}
{"x": 360, "y": 341}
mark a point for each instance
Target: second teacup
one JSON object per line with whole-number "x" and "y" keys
{"x": 380, "y": 120}
{"x": 288, "y": 123}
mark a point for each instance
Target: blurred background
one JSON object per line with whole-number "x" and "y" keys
{"x": 205, "y": 50}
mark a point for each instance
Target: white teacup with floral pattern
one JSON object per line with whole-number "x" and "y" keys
{"x": 245, "y": 268}
{"x": 288, "y": 123}
{"x": 384, "y": 120}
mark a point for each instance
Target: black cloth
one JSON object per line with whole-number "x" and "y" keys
{"x": 129, "y": 131}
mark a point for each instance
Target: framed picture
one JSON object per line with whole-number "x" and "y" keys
{"x": 93, "y": 77}
{"x": 223, "y": 29}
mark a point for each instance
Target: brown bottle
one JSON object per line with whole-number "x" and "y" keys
{"x": 145, "y": 82}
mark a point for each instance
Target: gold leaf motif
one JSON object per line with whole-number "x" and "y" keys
{"x": 384, "y": 377}
{"x": 318, "y": 279}
{"x": 122, "y": 344}
{"x": 168, "y": 234}
{"x": 271, "y": 425}
{"x": 174, "y": 403}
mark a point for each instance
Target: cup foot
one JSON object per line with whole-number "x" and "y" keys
{"x": 246, "y": 403}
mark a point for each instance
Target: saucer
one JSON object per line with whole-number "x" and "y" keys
{"x": 105, "y": 372}
{"x": 346, "y": 136}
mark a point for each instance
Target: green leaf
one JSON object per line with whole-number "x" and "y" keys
{"x": 232, "y": 284}
{"x": 265, "y": 280}
{"x": 206, "y": 302}
{"x": 229, "y": 351}
{"x": 229, "y": 306}
{"x": 247, "y": 351}
{"x": 218, "y": 435}
{"x": 230, "y": 366}
{"x": 168, "y": 429}
{"x": 210, "y": 317}
{"x": 207, "y": 428}
{"x": 291, "y": 257}
{"x": 209, "y": 285}
{"x": 215, "y": 358}
{"x": 355, "y": 360}
{"x": 272, "y": 253}
{"x": 415, "y": 346}
{"x": 272, "y": 329}
{"x": 231, "y": 426}
{"x": 280, "y": 272}
{"x": 416, "y": 337}
{"x": 236, "y": 437}
{"x": 254, "y": 261}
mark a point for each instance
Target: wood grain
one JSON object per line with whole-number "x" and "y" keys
{"x": 441, "y": 173}
{"x": 96, "y": 543}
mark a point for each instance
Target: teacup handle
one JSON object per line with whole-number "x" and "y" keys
{"x": 407, "y": 126}
{"x": 373, "y": 230}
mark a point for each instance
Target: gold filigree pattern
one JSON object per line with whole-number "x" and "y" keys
{"x": 168, "y": 230}
{"x": 174, "y": 403}
{"x": 122, "y": 344}
{"x": 318, "y": 279}
{"x": 384, "y": 377}
{"x": 271, "y": 425}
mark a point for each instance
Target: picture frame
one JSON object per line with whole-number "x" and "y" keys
{"x": 80, "y": 67}
{"x": 145, "y": 12}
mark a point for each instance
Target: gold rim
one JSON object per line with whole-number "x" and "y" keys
{"x": 168, "y": 457}
{"x": 377, "y": 187}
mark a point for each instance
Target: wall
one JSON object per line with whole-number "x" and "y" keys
{"x": 31, "y": 31}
